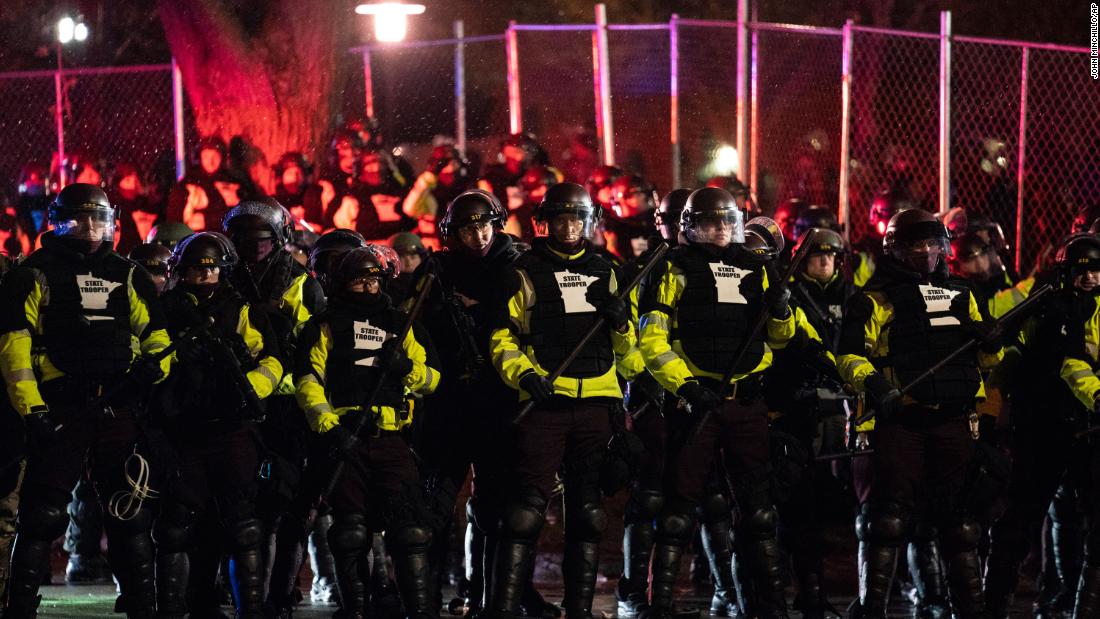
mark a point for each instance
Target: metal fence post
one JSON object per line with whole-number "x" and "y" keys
{"x": 945, "y": 111}
{"x": 742, "y": 87}
{"x": 59, "y": 119}
{"x": 1020, "y": 169}
{"x": 843, "y": 213}
{"x": 368, "y": 83}
{"x": 511, "y": 50}
{"x": 674, "y": 95}
{"x": 754, "y": 119}
{"x": 177, "y": 119}
{"x": 460, "y": 87}
{"x": 605, "y": 129}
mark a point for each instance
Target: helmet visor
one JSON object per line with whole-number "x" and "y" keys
{"x": 569, "y": 226}
{"x": 719, "y": 228}
{"x": 922, "y": 255}
{"x": 90, "y": 225}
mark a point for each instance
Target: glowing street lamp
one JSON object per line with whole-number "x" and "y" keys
{"x": 68, "y": 30}
{"x": 391, "y": 19}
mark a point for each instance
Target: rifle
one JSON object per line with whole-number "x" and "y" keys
{"x": 469, "y": 354}
{"x": 227, "y": 361}
{"x": 1009, "y": 316}
{"x": 622, "y": 295}
{"x": 360, "y": 421}
{"x": 727, "y": 378}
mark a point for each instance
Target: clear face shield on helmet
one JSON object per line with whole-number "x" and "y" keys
{"x": 567, "y": 226}
{"x": 922, "y": 255}
{"x": 719, "y": 228}
{"x": 93, "y": 226}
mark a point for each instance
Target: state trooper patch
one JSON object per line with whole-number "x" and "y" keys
{"x": 574, "y": 291}
{"x": 727, "y": 282}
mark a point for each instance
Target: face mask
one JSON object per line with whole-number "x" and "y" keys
{"x": 255, "y": 250}
{"x": 202, "y": 291}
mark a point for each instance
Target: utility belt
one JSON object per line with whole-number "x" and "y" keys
{"x": 67, "y": 392}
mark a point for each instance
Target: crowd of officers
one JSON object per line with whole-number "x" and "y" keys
{"x": 224, "y": 400}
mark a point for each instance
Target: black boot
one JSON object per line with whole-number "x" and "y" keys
{"x": 409, "y": 549}
{"x": 964, "y": 569}
{"x": 579, "y": 566}
{"x": 1088, "y": 592}
{"x": 637, "y": 549}
{"x": 512, "y": 569}
{"x": 30, "y": 562}
{"x": 928, "y": 578}
{"x": 172, "y": 571}
{"x": 287, "y": 560}
{"x": 474, "y": 548}
{"x": 350, "y": 542}
{"x": 877, "y": 558}
{"x": 132, "y": 557}
{"x": 758, "y": 547}
{"x": 718, "y": 546}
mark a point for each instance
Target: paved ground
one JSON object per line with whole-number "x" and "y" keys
{"x": 98, "y": 601}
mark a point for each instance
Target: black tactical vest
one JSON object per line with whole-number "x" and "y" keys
{"x": 714, "y": 316}
{"x": 203, "y": 389}
{"x": 567, "y": 293}
{"x": 352, "y": 367}
{"x": 929, "y": 324}
{"x": 85, "y": 314}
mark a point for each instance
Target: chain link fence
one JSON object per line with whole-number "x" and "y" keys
{"x": 110, "y": 116}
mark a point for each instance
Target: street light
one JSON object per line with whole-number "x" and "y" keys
{"x": 391, "y": 19}
{"x": 68, "y": 30}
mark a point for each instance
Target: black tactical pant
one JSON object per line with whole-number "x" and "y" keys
{"x": 923, "y": 457}
{"x": 380, "y": 490}
{"x": 218, "y": 465}
{"x": 1046, "y": 456}
{"x": 563, "y": 434}
{"x": 737, "y": 432}
{"x": 461, "y": 432}
{"x": 104, "y": 443}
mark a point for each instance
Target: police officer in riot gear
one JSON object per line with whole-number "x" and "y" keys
{"x": 341, "y": 354}
{"x": 557, "y": 291}
{"x": 629, "y": 226}
{"x": 325, "y": 254}
{"x": 207, "y": 409}
{"x": 269, "y": 276}
{"x": 1046, "y": 417}
{"x": 69, "y": 314}
{"x": 909, "y": 316}
{"x": 153, "y": 257}
{"x": 697, "y": 311}
{"x": 467, "y": 414}
{"x": 804, "y": 390}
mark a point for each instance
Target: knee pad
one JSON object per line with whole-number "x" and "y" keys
{"x": 172, "y": 531}
{"x": 43, "y": 521}
{"x": 923, "y": 532}
{"x": 759, "y": 523}
{"x": 349, "y": 533}
{"x": 409, "y": 539}
{"x": 676, "y": 524}
{"x": 863, "y": 527}
{"x": 715, "y": 508}
{"x": 246, "y": 534}
{"x": 140, "y": 523}
{"x": 644, "y": 505}
{"x": 886, "y": 524}
{"x": 962, "y": 537}
{"x": 585, "y": 522}
{"x": 525, "y": 514}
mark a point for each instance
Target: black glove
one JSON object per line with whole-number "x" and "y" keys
{"x": 394, "y": 354}
{"x": 192, "y": 352}
{"x": 42, "y": 429}
{"x": 342, "y": 442}
{"x": 642, "y": 390}
{"x": 776, "y": 299}
{"x": 537, "y": 386}
{"x": 615, "y": 313}
{"x": 990, "y": 334}
{"x": 436, "y": 165}
{"x": 699, "y": 397}
{"x": 146, "y": 370}
{"x": 883, "y": 397}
